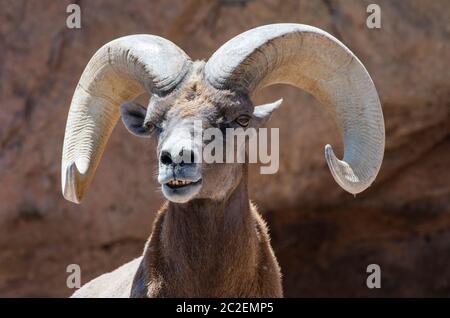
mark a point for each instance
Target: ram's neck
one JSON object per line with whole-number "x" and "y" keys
{"x": 209, "y": 247}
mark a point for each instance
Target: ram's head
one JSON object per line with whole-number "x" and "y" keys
{"x": 217, "y": 94}
{"x": 180, "y": 121}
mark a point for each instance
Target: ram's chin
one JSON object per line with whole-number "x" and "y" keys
{"x": 181, "y": 193}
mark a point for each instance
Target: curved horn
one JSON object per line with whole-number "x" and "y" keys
{"x": 121, "y": 70}
{"x": 315, "y": 61}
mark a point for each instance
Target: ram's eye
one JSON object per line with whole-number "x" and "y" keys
{"x": 243, "y": 120}
{"x": 149, "y": 126}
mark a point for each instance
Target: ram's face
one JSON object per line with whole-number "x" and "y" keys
{"x": 184, "y": 125}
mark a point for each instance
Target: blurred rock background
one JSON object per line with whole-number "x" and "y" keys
{"x": 323, "y": 237}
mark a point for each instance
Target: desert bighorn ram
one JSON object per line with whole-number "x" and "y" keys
{"x": 208, "y": 240}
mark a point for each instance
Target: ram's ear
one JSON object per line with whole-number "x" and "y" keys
{"x": 262, "y": 113}
{"x": 133, "y": 117}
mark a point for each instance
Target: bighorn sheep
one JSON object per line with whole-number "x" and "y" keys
{"x": 208, "y": 240}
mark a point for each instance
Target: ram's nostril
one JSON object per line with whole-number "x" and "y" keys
{"x": 165, "y": 158}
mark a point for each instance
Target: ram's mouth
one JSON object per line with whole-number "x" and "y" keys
{"x": 176, "y": 184}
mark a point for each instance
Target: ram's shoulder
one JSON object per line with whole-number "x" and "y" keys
{"x": 116, "y": 284}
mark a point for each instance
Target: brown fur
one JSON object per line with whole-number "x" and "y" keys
{"x": 209, "y": 249}
{"x": 195, "y": 96}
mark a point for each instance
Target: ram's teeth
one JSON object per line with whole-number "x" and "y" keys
{"x": 179, "y": 182}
